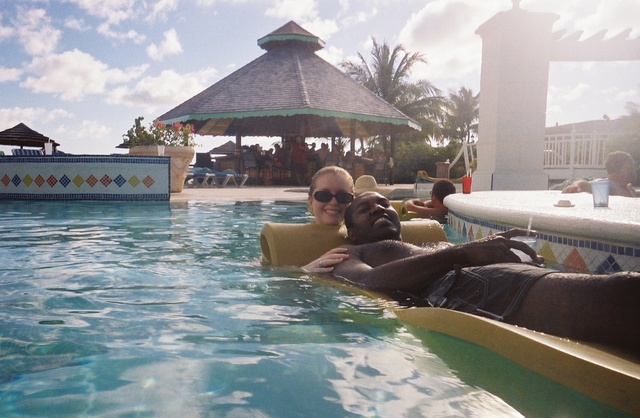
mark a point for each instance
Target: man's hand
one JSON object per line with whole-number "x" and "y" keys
{"x": 495, "y": 249}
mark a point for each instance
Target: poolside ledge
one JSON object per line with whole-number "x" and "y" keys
{"x": 580, "y": 238}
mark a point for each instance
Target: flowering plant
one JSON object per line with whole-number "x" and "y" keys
{"x": 159, "y": 134}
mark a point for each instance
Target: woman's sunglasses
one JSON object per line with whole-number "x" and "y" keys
{"x": 325, "y": 196}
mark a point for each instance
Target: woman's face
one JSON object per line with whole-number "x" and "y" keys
{"x": 331, "y": 212}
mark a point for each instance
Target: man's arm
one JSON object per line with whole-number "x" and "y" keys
{"x": 578, "y": 187}
{"x": 424, "y": 209}
{"x": 393, "y": 265}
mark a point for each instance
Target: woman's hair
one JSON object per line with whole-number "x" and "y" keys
{"x": 332, "y": 169}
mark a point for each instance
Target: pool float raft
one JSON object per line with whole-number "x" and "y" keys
{"x": 601, "y": 373}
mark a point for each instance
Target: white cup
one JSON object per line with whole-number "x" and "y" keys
{"x": 600, "y": 191}
{"x": 531, "y": 241}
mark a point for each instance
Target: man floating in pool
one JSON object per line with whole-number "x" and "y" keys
{"x": 485, "y": 277}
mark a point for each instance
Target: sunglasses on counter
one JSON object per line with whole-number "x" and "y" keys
{"x": 325, "y": 196}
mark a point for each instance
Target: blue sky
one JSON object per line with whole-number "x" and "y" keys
{"x": 81, "y": 71}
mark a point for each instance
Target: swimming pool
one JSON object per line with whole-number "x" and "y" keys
{"x": 156, "y": 309}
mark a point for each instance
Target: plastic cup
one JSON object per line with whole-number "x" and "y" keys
{"x": 600, "y": 192}
{"x": 466, "y": 184}
{"x": 48, "y": 148}
{"x": 530, "y": 241}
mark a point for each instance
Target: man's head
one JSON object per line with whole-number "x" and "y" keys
{"x": 371, "y": 218}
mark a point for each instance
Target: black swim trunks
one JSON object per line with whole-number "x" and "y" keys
{"x": 494, "y": 291}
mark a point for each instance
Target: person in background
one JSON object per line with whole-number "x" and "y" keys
{"x": 279, "y": 156}
{"x": 313, "y": 156}
{"x": 621, "y": 172}
{"x": 299, "y": 165}
{"x": 485, "y": 278}
{"x": 330, "y": 193}
{"x": 322, "y": 152}
{"x": 434, "y": 208}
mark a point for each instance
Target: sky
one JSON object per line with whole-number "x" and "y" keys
{"x": 81, "y": 71}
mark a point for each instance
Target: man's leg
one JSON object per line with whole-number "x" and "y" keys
{"x": 589, "y": 307}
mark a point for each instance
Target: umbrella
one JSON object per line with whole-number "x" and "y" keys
{"x": 289, "y": 90}
{"x": 23, "y": 136}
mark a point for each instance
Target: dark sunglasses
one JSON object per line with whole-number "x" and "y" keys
{"x": 325, "y": 196}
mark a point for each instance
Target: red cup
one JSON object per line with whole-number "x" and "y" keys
{"x": 466, "y": 184}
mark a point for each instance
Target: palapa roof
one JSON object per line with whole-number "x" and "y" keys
{"x": 23, "y": 136}
{"x": 289, "y": 89}
{"x": 228, "y": 147}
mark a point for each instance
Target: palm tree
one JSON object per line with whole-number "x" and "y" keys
{"x": 387, "y": 77}
{"x": 461, "y": 119}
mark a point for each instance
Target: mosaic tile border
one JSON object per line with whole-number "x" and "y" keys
{"x": 570, "y": 253}
{"x": 119, "y": 178}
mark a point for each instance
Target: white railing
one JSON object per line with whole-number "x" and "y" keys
{"x": 575, "y": 153}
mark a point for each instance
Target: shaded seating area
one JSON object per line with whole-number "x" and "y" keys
{"x": 320, "y": 102}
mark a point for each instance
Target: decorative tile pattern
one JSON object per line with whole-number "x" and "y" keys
{"x": 84, "y": 178}
{"x": 568, "y": 253}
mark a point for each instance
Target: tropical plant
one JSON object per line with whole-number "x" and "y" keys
{"x": 461, "y": 119}
{"x": 158, "y": 133}
{"x": 388, "y": 78}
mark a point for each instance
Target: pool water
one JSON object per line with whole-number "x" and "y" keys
{"x": 164, "y": 310}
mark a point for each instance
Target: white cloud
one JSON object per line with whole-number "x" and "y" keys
{"x": 444, "y": 31}
{"x": 105, "y": 30}
{"x": 590, "y": 16}
{"x": 6, "y": 32}
{"x": 85, "y": 129}
{"x": 10, "y": 117}
{"x": 576, "y": 93}
{"x": 161, "y": 9}
{"x": 323, "y": 29}
{"x": 76, "y": 24}
{"x": 35, "y": 33}
{"x": 74, "y": 74}
{"x": 112, "y": 11}
{"x": 625, "y": 95}
{"x": 360, "y": 17}
{"x": 332, "y": 55}
{"x": 167, "y": 89}
{"x": 170, "y": 46}
{"x": 9, "y": 74}
{"x": 298, "y": 10}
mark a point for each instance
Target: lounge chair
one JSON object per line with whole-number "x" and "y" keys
{"x": 423, "y": 177}
{"x": 202, "y": 177}
{"x": 21, "y": 152}
{"x": 230, "y": 175}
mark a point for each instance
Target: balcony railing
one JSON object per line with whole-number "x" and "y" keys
{"x": 575, "y": 154}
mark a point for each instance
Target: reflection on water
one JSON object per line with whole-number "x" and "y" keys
{"x": 151, "y": 309}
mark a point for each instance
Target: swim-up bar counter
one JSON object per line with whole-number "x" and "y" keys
{"x": 578, "y": 238}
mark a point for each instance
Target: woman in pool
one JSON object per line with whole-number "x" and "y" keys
{"x": 330, "y": 193}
